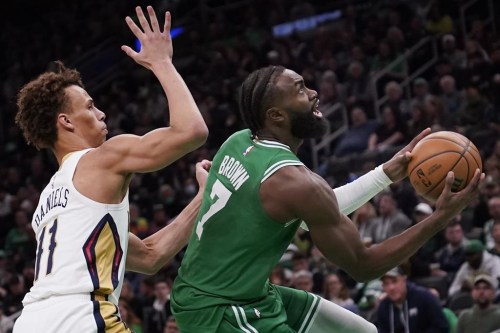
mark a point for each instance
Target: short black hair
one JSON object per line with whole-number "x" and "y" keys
{"x": 256, "y": 94}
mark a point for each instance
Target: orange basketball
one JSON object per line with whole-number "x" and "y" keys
{"x": 437, "y": 154}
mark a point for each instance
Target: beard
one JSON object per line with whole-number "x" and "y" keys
{"x": 304, "y": 125}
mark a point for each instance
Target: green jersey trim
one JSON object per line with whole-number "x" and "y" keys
{"x": 278, "y": 165}
{"x": 311, "y": 314}
{"x": 243, "y": 322}
{"x": 272, "y": 144}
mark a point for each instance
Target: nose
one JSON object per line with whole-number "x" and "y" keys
{"x": 101, "y": 115}
{"x": 313, "y": 94}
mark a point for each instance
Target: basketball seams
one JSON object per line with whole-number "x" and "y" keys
{"x": 466, "y": 144}
{"x": 443, "y": 178}
{"x": 465, "y": 149}
{"x": 463, "y": 169}
{"x": 434, "y": 155}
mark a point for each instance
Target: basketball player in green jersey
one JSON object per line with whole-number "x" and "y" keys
{"x": 258, "y": 193}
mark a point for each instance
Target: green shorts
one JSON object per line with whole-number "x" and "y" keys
{"x": 283, "y": 310}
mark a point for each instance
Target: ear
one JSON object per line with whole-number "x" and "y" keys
{"x": 275, "y": 114}
{"x": 64, "y": 121}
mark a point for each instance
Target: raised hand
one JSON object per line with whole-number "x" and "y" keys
{"x": 397, "y": 167}
{"x": 156, "y": 45}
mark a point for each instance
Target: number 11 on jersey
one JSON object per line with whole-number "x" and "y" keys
{"x": 223, "y": 194}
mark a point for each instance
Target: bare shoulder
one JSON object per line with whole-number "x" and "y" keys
{"x": 110, "y": 152}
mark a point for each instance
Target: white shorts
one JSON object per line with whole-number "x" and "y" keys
{"x": 70, "y": 313}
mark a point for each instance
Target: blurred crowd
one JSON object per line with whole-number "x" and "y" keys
{"x": 457, "y": 271}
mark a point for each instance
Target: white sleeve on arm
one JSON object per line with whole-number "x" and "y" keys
{"x": 355, "y": 194}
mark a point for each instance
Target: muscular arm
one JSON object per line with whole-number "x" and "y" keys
{"x": 295, "y": 192}
{"x": 149, "y": 255}
{"x": 127, "y": 154}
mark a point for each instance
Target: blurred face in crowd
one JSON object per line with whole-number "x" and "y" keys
{"x": 303, "y": 282}
{"x": 447, "y": 84}
{"x": 483, "y": 294}
{"x": 386, "y": 205}
{"x": 334, "y": 285}
{"x": 474, "y": 259}
{"x": 494, "y": 208}
{"x": 358, "y": 117}
{"x": 162, "y": 290}
{"x": 495, "y": 233}
{"x": 395, "y": 288}
{"x": 454, "y": 234}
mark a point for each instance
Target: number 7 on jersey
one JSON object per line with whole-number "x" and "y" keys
{"x": 223, "y": 194}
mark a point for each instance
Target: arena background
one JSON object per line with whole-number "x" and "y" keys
{"x": 217, "y": 43}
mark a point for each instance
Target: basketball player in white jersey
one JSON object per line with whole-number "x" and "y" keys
{"x": 81, "y": 221}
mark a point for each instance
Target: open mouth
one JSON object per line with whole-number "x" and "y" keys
{"x": 316, "y": 112}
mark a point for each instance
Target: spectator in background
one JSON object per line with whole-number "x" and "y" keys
{"x": 421, "y": 263}
{"x": 452, "y": 54}
{"x": 452, "y": 255}
{"x": 408, "y": 308}
{"x": 355, "y": 139}
{"x": 494, "y": 210}
{"x": 473, "y": 118}
{"x": 358, "y": 85}
{"x": 390, "y": 220}
{"x": 385, "y": 57}
{"x": 495, "y": 235}
{"x": 451, "y": 97}
{"x": 336, "y": 290}
{"x": 420, "y": 91}
{"x": 361, "y": 218}
{"x": 477, "y": 261}
{"x": 390, "y": 132}
{"x": 155, "y": 316}
{"x": 303, "y": 280}
{"x": 492, "y": 166}
{"x": 484, "y": 316}
{"x": 330, "y": 91}
{"x": 395, "y": 99}
{"x": 481, "y": 214}
{"x": 419, "y": 120}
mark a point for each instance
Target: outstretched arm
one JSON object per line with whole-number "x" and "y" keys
{"x": 149, "y": 255}
{"x": 187, "y": 130}
{"x": 353, "y": 195}
{"x": 295, "y": 192}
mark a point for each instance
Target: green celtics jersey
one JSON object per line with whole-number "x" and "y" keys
{"x": 235, "y": 244}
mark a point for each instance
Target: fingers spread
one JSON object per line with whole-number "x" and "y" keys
{"x": 152, "y": 18}
{"x": 134, "y": 28}
{"x": 142, "y": 19}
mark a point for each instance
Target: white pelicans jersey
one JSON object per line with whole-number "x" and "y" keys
{"x": 82, "y": 244}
